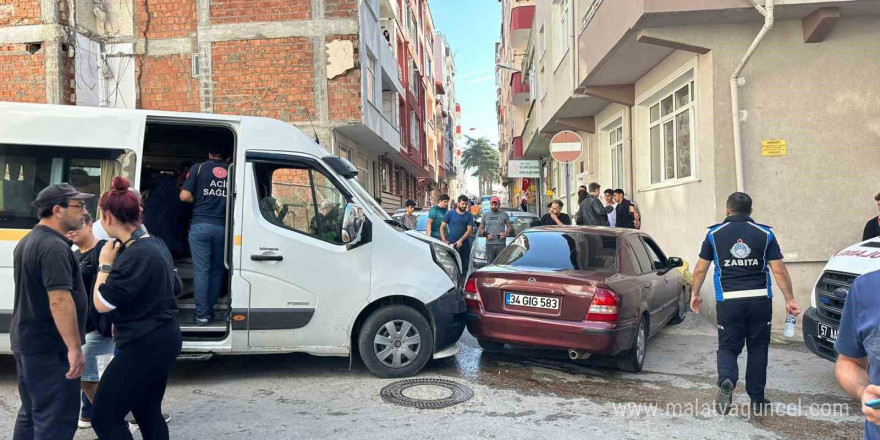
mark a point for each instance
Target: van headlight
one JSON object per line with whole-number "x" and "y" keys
{"x": 480, "y": 253}
{"x": 447, "y": 261}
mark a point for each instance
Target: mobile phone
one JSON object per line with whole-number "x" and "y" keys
{"x": 873, "y": 403}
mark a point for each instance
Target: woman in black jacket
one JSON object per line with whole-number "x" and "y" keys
{"x": 136, "y": 287}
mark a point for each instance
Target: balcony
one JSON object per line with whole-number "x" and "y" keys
{"x": 519, "y": 90}
{"x": 521, "y": 18}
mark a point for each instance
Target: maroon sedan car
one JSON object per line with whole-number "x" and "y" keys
{"x": 588, "y": 290}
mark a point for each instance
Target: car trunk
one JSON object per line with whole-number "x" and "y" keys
{"x": 572, "y": 289}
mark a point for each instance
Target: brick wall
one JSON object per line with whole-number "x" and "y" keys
{"x": 240, "y": 11}
{"x": 19, "y": 12}
{"x": 166, "y": 18}
{"x": 341, "y": 8}
{"x": 23, "y": 76}
{"x": 167, "y": 84}
{"x": 344, "y": 91}
{"x": 271, "y": 78}
{"x": 68, "y": 79}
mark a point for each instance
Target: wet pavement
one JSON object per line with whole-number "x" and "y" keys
{"x": 519, "y": 393}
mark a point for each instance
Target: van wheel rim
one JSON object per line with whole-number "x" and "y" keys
{"x": 640, "y": 344}
{"x": 397, "y": 343}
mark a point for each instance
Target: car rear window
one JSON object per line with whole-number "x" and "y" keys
{"x": 521, "y": 223}
{"x": 561, "y": 251}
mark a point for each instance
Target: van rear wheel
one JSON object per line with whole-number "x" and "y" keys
{"x": 396, "y": 341}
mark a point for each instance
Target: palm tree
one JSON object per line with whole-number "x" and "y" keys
{"x": 482, "y": 157}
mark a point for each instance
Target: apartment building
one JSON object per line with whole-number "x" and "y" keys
{"x": 513, "y": 91}
{"x": 648, "y": 86}
{"x": 355, "y": 73}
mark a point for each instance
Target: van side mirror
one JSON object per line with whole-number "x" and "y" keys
{"x": 353, "y": 224}
{"x": 675, "y": 262}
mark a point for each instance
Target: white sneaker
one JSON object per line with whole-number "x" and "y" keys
{"x": 133, "y": 428}
{"x": 84, "y": 423}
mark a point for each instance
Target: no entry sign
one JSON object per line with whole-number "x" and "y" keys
{"x": 566, "y": 146}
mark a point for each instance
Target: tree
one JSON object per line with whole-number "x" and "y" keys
{"x": 482, "y": 157}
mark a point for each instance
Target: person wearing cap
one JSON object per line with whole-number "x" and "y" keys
{"x": 496, "y": 227}
{"x": 49, "y": 318}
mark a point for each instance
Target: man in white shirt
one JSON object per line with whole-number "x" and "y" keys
{"x": 609, "y": 201}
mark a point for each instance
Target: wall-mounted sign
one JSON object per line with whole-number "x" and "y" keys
{"x": 774, "y": 148}
{"x": 517, "y": 169}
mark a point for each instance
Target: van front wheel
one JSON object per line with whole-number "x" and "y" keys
{"x": 396, "y": 341}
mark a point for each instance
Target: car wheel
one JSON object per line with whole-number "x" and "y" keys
{"x": 684, "y": 303}
{"x": 634, "y": 359}
{"x": 490, "y": 346}
{"x": 396, "y": 341}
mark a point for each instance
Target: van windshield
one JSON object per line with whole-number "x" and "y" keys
{"x": 368, "y": 199}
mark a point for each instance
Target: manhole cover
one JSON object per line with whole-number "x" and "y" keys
{"x": 426, "y": 393}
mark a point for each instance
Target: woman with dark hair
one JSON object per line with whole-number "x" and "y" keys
{"x": 136, "y": 287}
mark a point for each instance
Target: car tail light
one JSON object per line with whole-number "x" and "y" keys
{"x": 471, "y": 294}
{"x": 605, "y": 306}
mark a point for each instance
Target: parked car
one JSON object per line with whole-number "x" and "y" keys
{"x": 521, "y": 221}
{"x": 822, "y": 320}
{"x": 421, "y": 219}
{"x": 588, "y": 290}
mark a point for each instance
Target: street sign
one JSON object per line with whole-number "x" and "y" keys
{"x": 517, "y": 169}
{"x": 566, "y": 146}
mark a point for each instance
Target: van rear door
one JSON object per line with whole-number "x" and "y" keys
{"x": 304, "y": 281}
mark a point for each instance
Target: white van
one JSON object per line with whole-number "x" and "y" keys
{"x": 369, "y": 284}
{"x": 822, "y": 319}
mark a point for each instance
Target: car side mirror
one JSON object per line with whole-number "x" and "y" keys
{"x": 353, "y": 224}
{"x": 675, "y": 262}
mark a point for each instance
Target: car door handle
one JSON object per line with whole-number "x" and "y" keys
{"x": 267, "y": 257}
{"x": 648, "y": 284}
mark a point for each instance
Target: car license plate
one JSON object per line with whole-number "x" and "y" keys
{"x": 827, "y": 333}
{"x": 538, "y": 302}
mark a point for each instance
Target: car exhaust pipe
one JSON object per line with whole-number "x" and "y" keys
{"x": 576, "y": 354}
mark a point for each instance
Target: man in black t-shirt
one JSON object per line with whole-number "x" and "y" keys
{"x": 205, "y": 187}
{"x": 556, "y": 217}
{"x": 627, "y": 216}
{"x": 872, "y": 228}
{"x": 49, "y": 318}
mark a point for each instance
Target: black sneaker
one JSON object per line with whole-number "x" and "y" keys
{"x": 761, "y": 407}
{"x": 132, "y": 423}
{"x": 201, "y": 321}
{"x": 724, "y": 397}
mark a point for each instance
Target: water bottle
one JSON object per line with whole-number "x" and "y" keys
{"x": 789, "y": 326}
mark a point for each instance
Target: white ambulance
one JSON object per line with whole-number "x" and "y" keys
{"x": 370, "y": 286}
{"x": 822, "y": 320}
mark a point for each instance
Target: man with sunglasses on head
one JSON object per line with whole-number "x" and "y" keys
{"x": 49, "y": 318}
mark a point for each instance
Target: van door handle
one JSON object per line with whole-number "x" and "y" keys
{"x": 267, "y": 257}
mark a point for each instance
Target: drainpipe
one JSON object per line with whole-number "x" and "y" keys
{"x": 736, "y": 81}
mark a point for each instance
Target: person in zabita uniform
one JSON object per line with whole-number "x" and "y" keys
{"x": 205, "y": 187}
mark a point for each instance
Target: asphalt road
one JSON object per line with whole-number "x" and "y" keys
{"x": 518, "y": 394}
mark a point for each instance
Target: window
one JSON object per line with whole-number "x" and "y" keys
{"x": 414, "y": 130}
{"x": 414, "y": 79}
{"x": 561, "y": 251}
{"x": 642, "y": 258}
{"x": 658, "y": 260}
{"x": 386, "y": 177}
{"x": 532, "y": 88}
{"x": 671, "y": 134}
{"x": 364, "y": 174}
{"x": 561, "y": 40}
{"x": 371, "y": 78}
{"x": 542, "y": 44}
{"x": 302, "y": 199}
{"x": 26, "y": 170}
{"x": 615, "y": 141}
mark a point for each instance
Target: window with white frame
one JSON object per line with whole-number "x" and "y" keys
{"x": 371, "y": 78}
{"x": 532, "y": 86}
{"x": 614, "y": 134}
{"x": 671, "y": 134}
{"x": 561, "y": 40}
{"x": 414, "y": 131}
